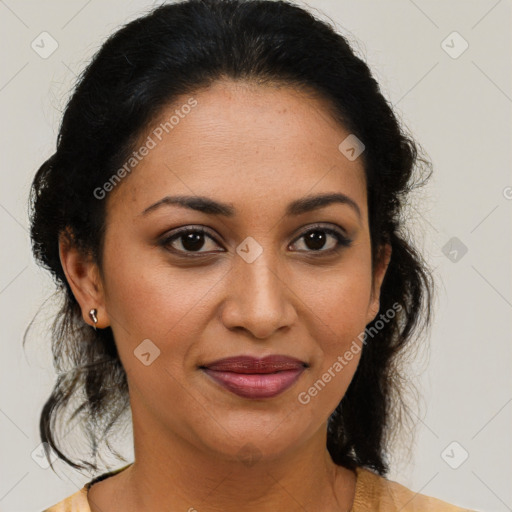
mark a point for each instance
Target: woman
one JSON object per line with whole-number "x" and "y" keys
{"x": 223, "y": 217}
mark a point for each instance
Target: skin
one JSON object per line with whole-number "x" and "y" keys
{"x": 259, "y": 148}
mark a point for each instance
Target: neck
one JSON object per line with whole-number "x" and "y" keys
{"x": 173, "y": 474}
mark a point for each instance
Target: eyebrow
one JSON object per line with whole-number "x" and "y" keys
{"x": 209, "y": 206}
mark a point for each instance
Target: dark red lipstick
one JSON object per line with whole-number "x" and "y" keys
{"x": 252, "y": 377}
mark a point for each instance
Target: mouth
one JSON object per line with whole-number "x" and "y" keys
{"x": 250, "y": 377}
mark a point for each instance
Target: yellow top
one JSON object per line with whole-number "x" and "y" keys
{"x": 373, "y": 493}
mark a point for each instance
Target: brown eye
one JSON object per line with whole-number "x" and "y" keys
{"x": 323, "y": 240}
{"x": 190, "y": 240}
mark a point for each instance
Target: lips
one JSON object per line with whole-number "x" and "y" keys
{"x": 249, "y": 364}
{"x": 250, "y": 377}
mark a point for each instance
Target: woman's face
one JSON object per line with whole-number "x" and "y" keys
{"x": 260, "y": 281}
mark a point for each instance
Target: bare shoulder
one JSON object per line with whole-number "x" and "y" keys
{"x": 376, "y": 493}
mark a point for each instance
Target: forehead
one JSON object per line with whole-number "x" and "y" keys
{"x": 254, "y": 145}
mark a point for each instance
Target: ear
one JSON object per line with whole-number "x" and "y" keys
{"x": 383, "y": 259}
{"x": 84, "y": 279}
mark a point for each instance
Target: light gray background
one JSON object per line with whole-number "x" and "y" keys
{"x": 459, "y": 109}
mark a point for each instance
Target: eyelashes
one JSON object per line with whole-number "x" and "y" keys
{"x": 194, "y": 238}
{"x": 341, "y": 240}
{"x": 190, "y": 237}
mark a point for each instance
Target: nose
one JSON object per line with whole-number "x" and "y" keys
{"x": 258, "y": 300}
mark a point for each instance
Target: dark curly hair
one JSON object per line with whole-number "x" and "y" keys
{"x": 177, "y": 49}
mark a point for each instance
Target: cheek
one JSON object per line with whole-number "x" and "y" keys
{"x": 339, "y": 347}
{"x": 149, "y": 298}
{"x": 339, "y": 301}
